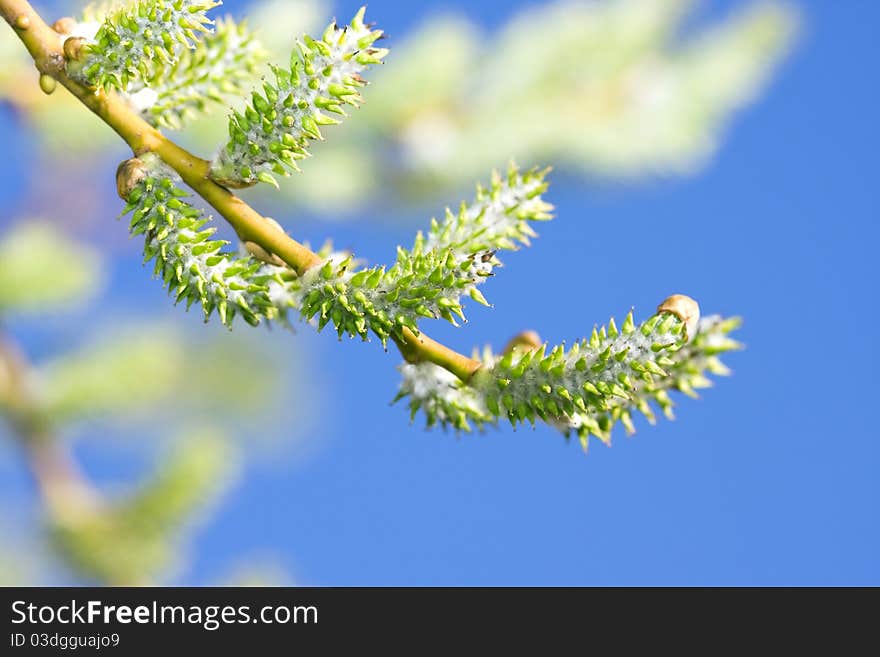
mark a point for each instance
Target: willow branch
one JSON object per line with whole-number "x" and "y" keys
{"x": 47, "y": 50}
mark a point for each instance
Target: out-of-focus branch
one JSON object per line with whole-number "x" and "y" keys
{"x": 65, "y": 491}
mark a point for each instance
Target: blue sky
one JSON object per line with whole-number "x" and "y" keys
{"x": 771, "y": 478}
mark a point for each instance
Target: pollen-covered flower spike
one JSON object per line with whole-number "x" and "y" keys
{"x": 192, "y": 264}
{"x": 133, "y": 38}
{"x": 686, "y": 371}
{"x": 274, "y": 130}
{"x": 432, "y": 280}
{"x": 587, "y": 378}
{"x": 497, "y": 219}
{"x": 587, "y": 389}
{"x": 216, "y": 70}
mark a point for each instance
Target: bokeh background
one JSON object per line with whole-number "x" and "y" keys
{"x": 721, "y": 149}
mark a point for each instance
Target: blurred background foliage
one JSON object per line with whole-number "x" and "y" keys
{"x": 618, "y": 90}
{"x": 129, "y": 378}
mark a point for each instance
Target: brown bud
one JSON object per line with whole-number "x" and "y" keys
{"x": 64, "y": 25}
{"x": 685, "y": 308}
{"x": 128, "y": 175}
{"x": 73, "y": 48}
{"x": 261, "y": 254}
{"x": 525, "y": 341}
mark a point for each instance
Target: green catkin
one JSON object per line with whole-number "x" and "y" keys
{"x": 273, "y": 132}
{"x": 212, "y": 73}
{"x": 443, "y": 268}
{"x": 586, "y": 390}
{"x": 132, "y": 39}
{"x": 192, "y": 265}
